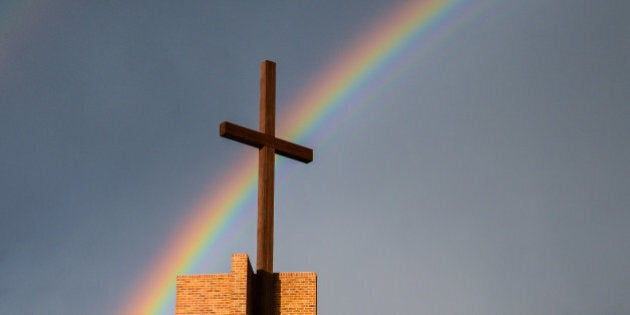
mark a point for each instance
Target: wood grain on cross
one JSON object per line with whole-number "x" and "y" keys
{"x": 269, "y": 146}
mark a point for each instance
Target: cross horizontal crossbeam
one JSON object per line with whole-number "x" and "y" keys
{"x": 258, "y": 139}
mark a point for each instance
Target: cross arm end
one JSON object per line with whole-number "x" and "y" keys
{"x": 241, "y": 134}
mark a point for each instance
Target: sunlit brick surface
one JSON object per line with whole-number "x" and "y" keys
{"x": 223, "y": 294}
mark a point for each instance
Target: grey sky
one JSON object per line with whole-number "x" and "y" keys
{"x": 491, "y": 177}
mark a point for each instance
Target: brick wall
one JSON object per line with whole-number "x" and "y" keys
{"x": 223, "y": 294}
{"x": 204, "y": 294}
{"x": 295, "y": 293}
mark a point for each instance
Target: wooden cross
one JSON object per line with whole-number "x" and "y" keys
{"x": 268, "y": 145}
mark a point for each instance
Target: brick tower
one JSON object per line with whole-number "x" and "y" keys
{"x": 243, "y": 292}
{"x": 233, "y": 293}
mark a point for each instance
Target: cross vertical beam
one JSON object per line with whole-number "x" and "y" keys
{"x": 266, "y": 166}
{"x": 267, "y": 143}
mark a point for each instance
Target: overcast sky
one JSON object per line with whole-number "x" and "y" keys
{"x": 492, "y": 176}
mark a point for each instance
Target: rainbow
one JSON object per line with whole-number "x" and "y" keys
{"x": 407, "y": 33}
